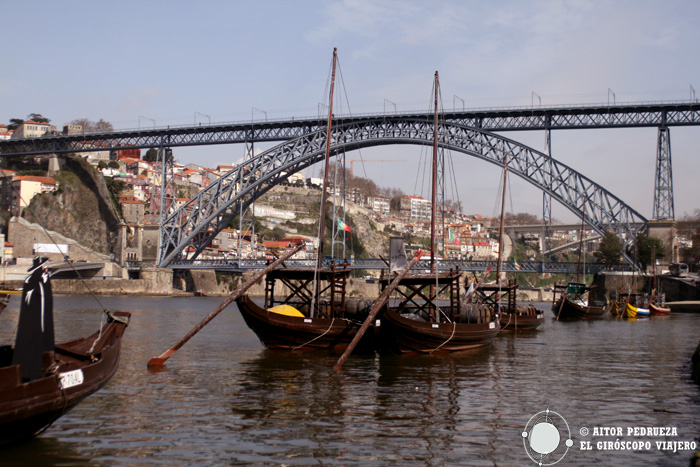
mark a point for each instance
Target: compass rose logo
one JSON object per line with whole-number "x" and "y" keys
{"x": 543, "y": 435}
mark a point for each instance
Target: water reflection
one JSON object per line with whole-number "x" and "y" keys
{"x": 45, "y": 451}
{"x": 224, "y": 400}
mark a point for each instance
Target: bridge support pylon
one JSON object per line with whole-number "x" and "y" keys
{"x": 663, "y": 184}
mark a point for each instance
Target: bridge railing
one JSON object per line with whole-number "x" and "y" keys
{"x": 235, "y": 264}
{"x": 311, "y": 118}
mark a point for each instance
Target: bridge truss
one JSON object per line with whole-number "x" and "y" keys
{"x": 495, "y": 120}
{"x": 557, "y": 181}
{"x": 236, "y": 265}
{"x": 195, "y": 224}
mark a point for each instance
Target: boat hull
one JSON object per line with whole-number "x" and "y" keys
{"x": 521, "y": 322}
{"x": 572, "y": 311}
{"x": 657, "y": 310}
{"x": 403, "y": 335}
{"x": 281, "y": 332}
{"x": 27, "y": 408}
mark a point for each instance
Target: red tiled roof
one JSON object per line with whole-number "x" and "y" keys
{"x": 34, "y": 178}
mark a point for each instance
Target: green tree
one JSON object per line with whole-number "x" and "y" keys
{"x": 15, "y": 123}
{"x": 610, "y": 251}
{"x": 38, "y": 118}
{"x": 151, "y": 155}
{"x": 649, "y": 248}
{"x": 113, "y": 165}
{"x": 115, "y": 187}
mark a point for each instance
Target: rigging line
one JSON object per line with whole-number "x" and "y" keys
{"x": 425, "y": 156}
{"x": 510, "y": 193}
{"x": 453, "y": 181}
{"x": 497, "y": 203}
{"x": 46, "y": 232}
{"x": 347, "y": 102}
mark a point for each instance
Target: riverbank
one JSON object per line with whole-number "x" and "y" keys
{"x": 208, "y": 285}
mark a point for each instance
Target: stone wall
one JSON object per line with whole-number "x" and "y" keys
{"x": 23, "y": 234}
{"x": 619, "y": 282}
{"x": 154, "y": 282}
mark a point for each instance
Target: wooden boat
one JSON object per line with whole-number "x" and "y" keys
{"x": 41, "y": 380}
{"x": 574, "y": 304}
{"x": 500, "y": 298}
{"x": 614, "y": 308}
{"x": 419, "y": 323}
{"x": 513, "y": 317}
{"x": 632, "y": 311}
{"x": 575, "y": 301}
{"x": 313, "y": 313}
{"x": 287, "y": 322}
{"x": 658, "y": 310}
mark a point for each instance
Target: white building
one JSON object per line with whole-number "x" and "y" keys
{"x": 32, "y": 129}
{"x": 379, "y": 204}
{"x": 25, "y": 187}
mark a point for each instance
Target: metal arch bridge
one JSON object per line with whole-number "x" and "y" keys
{"x": 195, "y": 224}
{"x": 633, "y": 115}
{"x": 552, "y": 177}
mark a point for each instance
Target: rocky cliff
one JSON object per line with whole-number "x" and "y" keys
{"x": 80, "y": 209}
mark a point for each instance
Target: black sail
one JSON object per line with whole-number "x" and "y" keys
{"x": 35, "y": 332}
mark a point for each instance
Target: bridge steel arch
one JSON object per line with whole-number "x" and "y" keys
{"x": 194, "y": 225}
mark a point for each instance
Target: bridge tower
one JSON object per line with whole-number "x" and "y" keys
{"x": 663, "y": 185}
{"x": 663, "y": 225}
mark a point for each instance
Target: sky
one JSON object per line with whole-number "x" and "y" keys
{"x": 158, "y": 63}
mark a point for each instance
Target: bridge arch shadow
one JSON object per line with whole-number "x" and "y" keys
{"x": 194, "y": 225}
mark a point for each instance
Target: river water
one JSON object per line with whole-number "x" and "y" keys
{"x": 224, "y": 400}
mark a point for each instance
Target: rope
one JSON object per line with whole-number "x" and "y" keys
{"x": 315, "y": 338}
{"x": 508, "y": 323}
{"x": 99, "y": 335}
{"x": 454, "y": 328}
{"x": 503, "y": 327}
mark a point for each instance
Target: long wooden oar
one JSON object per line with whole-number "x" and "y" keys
{"x": 563, "y": 298}
{"x": 378, "y": 304}
{"x": 160, "y": 360}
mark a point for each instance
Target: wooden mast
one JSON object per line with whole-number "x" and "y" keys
{"x": 580, "y": 249}
{"x": 435, "y": 163}
{"x": 324, "y": 189}
{"x": 433, "y": 201}
{"x": 500, "y": 230}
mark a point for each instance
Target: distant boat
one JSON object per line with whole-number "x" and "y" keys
{"x": 658, "y": 310}
{"x": 574, "y": 303}
{"x": 502, "y": 299}
{"x": 632, "y": 311}
{"x": 511, "y": 315}
{"x": 41, "y": 380}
